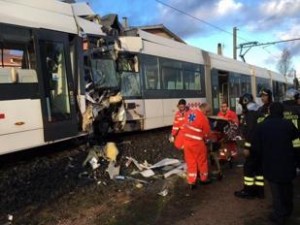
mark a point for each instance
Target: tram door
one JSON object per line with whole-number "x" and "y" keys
{"x": 220, "y": 89}
{"x": 57, "y": 89}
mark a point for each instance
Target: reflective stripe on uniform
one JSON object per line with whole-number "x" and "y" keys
{"x": 247, "y": 144}
{"x": 194, "y": 128}
{"x": 296, "y": 143}
{"x": 192, "y": 175}
{"x": 259, "y": 183}
{"x": 194, "y": 137}
{"x": 261, "y": 119}
{"x": 249, "y": 181}
{"x": 259, "y": 177}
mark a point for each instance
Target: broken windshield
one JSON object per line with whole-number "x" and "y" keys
{"x": 104, "y": 73}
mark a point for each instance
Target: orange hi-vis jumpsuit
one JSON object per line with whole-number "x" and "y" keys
{"x": 177, "y": 129}
{"x": 196, "y": 130}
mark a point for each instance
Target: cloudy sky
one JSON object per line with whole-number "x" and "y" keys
{"x": 205, "y": 23}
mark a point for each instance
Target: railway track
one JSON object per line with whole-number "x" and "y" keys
{"x": 38, "y": 176}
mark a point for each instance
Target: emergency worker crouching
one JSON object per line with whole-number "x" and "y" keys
{"x": 253, "y": 179}
{"x": 196, "y": 131}
{"x": 292, "y": 113}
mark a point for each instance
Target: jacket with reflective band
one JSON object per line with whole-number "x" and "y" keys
{"x": 292, "y": 113}
{"x": 178, "y": 122}
{"x": 248, "y": 124}
{"x": 197, "y": 126}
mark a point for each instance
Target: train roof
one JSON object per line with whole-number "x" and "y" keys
{"x": 277, "y": 76}
{"x": 49, "y": 14}
{"x": 227, "y": 64}
{"x": 151, "y": 44}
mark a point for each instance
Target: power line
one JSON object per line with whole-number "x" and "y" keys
{"x": 249, "y": 45}
{"x": 196, "y": 18}
{"x": 228, "y": 32}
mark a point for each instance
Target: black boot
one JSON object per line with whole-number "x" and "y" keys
{"x": 193, "y": 186}
{"x": 260, "y": 192}
{"x": 246, "y": 193}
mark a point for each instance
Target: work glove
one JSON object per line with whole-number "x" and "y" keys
{"x": 171, "y": 138}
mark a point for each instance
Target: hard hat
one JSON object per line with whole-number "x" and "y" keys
{"x": 265, "y": 91}
{"x": 245, "y": 99}
{"x": 292, "y": 94}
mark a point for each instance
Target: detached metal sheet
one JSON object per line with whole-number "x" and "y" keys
{"x": 90, "y": 27}
{"x": 82, "y": 9}
{"x": 48, "y": 14}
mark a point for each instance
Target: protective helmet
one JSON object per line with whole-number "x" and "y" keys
{"x": 265, "y": 91}
{"x": 292, "y": 94}
{"x": 245, "y": 99}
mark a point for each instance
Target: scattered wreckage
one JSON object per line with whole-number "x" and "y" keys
{"x": 141, "y": 174}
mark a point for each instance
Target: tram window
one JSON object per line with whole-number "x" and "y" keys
{"x": 261, "y": 83}
{"x": 104, "y": 73}
{"x": 192, "y": 80}
{"x": 150, "y": 72}
{"x": 278, "y": 90}
{"x": 130, "y": 84}
{"x": 15, "y": 60}
{"x": 57, "y": 82}
{"x": 172, "y": 78}
{"x": 245, "y": 84}
{"x": 128, "y": 63}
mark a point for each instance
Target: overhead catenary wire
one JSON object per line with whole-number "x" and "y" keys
{"x": 201, "y": 20}
{"x": 223, "y": 30}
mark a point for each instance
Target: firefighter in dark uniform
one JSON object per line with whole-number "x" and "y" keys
{"x": 272, "y": 146}
{"x": 292, "y": 113}
{"x": 266, "y": 98}
{"x": 248, "y": 123}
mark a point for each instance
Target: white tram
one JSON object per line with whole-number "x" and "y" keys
{"x": 156, "y": 72}
{"x": 42, "y": 86}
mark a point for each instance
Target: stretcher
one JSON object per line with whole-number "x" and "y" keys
{"x": 222, "y": 145}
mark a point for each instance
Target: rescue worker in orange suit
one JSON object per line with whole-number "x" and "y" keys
{"x": 228, "y": 114}
{"x": 177, "y": 129}
{"x": 248, "y": 123}
{"x": 196, "y": 132}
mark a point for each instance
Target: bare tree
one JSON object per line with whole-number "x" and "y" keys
{"x": 284, "y": 65}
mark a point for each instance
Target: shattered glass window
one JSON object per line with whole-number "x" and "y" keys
{"x": 104, "y": 73}
{"x": 130, "y": 84}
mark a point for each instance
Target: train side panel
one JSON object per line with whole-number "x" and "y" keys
{"x": 21, "y": 125}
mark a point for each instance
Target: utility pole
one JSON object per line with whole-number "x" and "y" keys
{"x": 234, "y": 42}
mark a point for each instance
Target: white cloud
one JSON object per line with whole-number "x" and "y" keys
{"x": 224, "y": 7}
{"x": 281, "y": 7}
